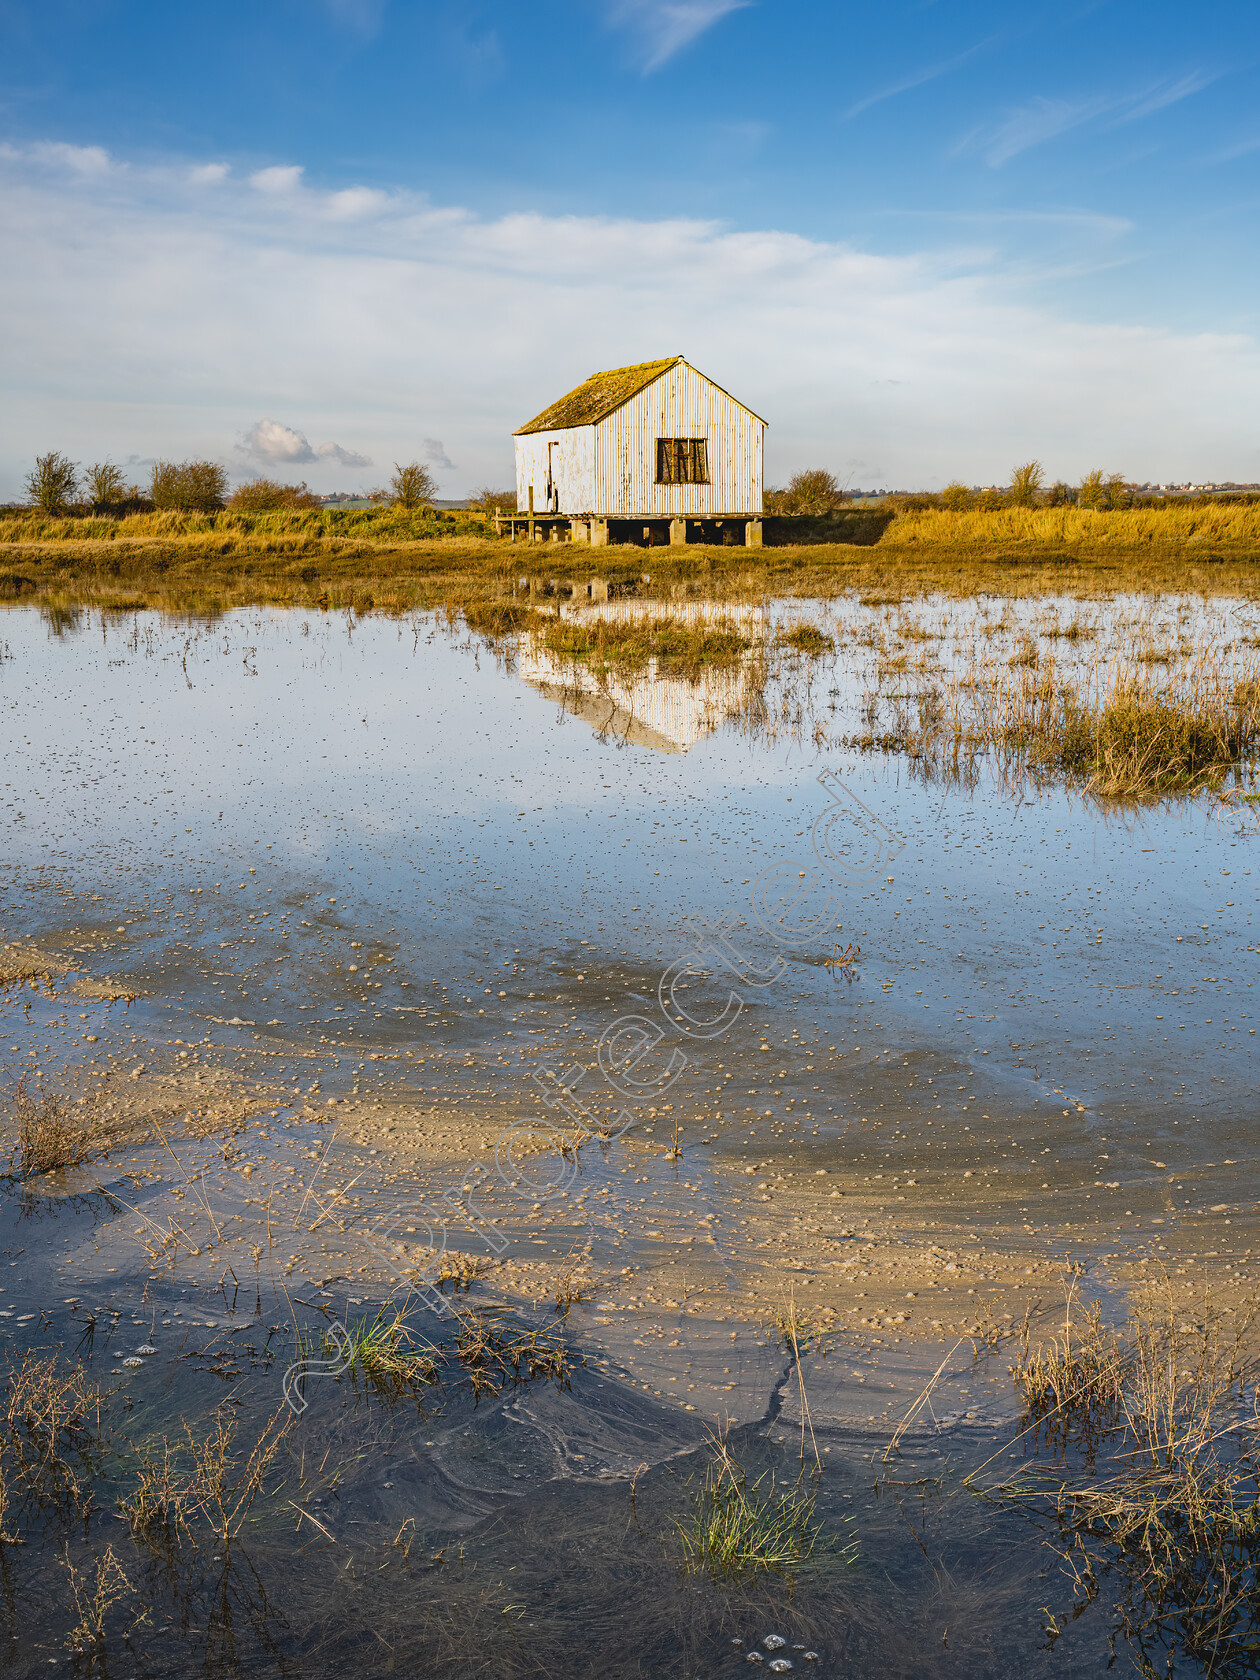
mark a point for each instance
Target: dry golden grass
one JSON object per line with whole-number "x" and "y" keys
{"x": 496, "y": 1353}
{"x": 205, "y": 1476}
{"x": 1124, "y": 730}
{"x": 392, "y": 562}
{"x": 1153, "y": 1430}
{"x": 49, "y": 1434}
{"x": 50, "y": 1135}
{"x": 628, "y": 644}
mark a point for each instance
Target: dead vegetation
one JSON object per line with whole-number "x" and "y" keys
{"x": 1152, "y": 1431}
{"x": 50, "y": 1135}
{"x": 1119, "y": 729}
{"x": 94, "y": 1597}
{"x": 50, "y": 1437}
{"x": 496, "y": 1353}
{"x": 204, "y": 1477}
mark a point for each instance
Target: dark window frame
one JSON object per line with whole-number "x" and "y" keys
{"x": 682, "y": 460}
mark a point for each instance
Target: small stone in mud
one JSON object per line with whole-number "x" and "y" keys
{"x": 774, "y": 1642}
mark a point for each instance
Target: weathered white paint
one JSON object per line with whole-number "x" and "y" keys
{"x": 609, "y": 468}
{"x": 558, "y": 466}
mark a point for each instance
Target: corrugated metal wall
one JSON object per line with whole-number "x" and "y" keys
{"x": 571, "y": 459}
{"x": 681, "y": 403}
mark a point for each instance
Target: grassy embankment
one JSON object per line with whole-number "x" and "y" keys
{"x": 383, "y": 560}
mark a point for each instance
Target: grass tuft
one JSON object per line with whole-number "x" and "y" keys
{"x": 736, "y": 1529}
{"x": 1154, "y": 1432}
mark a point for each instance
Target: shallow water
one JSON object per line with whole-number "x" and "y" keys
{"x": 325, "y": 898}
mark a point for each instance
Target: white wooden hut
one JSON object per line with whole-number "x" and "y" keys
{"x": 645, "y": 447}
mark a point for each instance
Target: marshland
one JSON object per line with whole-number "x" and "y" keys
{"x": 907, "y": 1318}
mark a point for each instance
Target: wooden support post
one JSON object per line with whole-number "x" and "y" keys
{"x": 677, "y": 533}
{"x": 532, "y": 528}
{"x": 599, "y": 533}
{"x": 752, "y": 534}
{"x": 580, "y": 530}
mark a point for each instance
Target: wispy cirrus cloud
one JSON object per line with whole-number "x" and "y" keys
{"x": 919, "y": 78}
{"x": 667, "y": 26}
{"x": 1044, "y": 119}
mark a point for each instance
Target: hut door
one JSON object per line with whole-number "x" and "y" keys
{"x": 553, "y": 493}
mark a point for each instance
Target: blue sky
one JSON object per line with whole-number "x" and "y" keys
{"x": 924, "y": 240}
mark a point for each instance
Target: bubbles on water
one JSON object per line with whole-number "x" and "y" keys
{"x": 781, "y": 1665}
{"x": 774, "y": 1642}
{"x": 133, "y": 1361}
{"x": 146, "y": 1349}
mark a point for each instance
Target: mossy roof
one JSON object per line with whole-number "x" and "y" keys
{"x": 600, "y": 395}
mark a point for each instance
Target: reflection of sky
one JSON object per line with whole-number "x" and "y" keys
{"x": 457, "y": 816}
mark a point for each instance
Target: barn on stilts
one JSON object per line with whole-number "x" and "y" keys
{"x": 652, "y": 453}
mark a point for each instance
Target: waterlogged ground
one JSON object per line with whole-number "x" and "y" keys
{"x": 326, "y": 915}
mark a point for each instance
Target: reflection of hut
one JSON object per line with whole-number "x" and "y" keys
{"x": 669, "y": 713}
{"x": 642, "y": 453}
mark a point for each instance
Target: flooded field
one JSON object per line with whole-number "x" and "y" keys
{"x": 490, "y": 1073}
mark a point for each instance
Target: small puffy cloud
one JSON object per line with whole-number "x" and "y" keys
{"x": 280, "y": 178}
{"x": 344, "y": 457}
{"x": 436, "y": 452}
{"x": 277, "y": 445}
{"x": 208, "y": 174}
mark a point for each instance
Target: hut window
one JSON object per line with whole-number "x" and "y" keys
{"x": 682, "y": 461}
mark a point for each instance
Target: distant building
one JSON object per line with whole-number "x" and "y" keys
{"x": 654, "y": 442}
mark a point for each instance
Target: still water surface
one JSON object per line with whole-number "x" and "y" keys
{"x": 325, "y": 897}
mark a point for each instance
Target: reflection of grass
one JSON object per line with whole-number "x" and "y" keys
{"x": 737, "y": 1529}
{"x": 1154, "y": 1431}
{"x": 679, "y": 649}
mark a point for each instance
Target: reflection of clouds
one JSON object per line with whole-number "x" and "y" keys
{"x": 666, "y": 712}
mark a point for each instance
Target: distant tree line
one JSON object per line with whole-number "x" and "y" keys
{"x": 58, "y": 485}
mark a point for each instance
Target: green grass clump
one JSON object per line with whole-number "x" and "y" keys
{"x": 382, "y": 1351}
{"x": 737, "y": 1529}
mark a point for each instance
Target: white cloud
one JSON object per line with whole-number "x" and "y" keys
{"x": 280, "y": 178}
{"x": 209, "y": 174}
{"x": 277, "y": 445}
{"x": 667, "y": 26}
{"x": 145, "y": 316}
